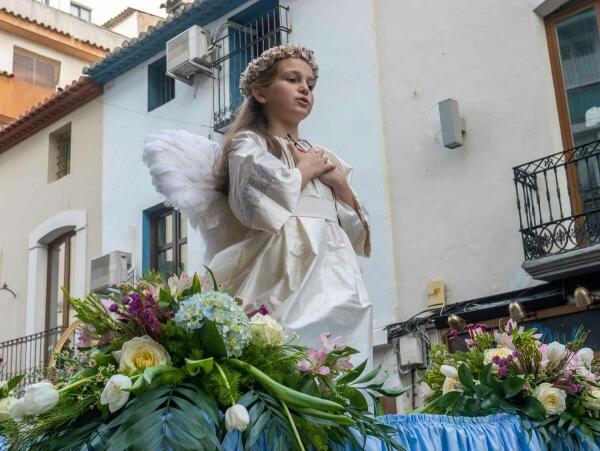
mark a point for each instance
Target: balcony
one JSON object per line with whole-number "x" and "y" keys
{"x": 558, "y": 200}
{"x": 242, "y": 43}
{"x": 28, "y": 355}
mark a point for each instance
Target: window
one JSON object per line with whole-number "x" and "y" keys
{"x": 574, "y": 44}
{"x": 36, "y": 69}
{"x": 81, "y": 11}
{"x": 161, "y": 89}
{"x": 168, "y": 242}
{"x": 252, "y": 31}
{"x": 59, "y": 159}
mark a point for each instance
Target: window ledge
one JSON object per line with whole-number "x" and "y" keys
{"x": 547, "y": 7}
{"x": 572, "y": 263}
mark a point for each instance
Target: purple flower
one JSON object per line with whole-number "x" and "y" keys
{"x": 452, "y": 334}
{"x": 502, "y": 371}
{"x": 496, "y": 360}
{"x": 574, "y": 388}
{"x": 263, "y": 309}
{"x": 1, "y": 359}
{"x": 332, "y": 344}
{"x": 125, "y": 300}
{"x": 113, "y": 307}
{"x": 135, "y": 296}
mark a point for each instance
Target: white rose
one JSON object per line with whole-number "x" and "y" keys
{"x": 115, "y": 392}
{"x": 553, "y": 399}
{"x": 450, "y": 384}
{"x": 268, "y": 328}
{"x": 591, "y": 399}
{"x": 5, "y": 406}
{"x": 489, "y": 354}
{"x": 141, "y": 352}
{"x": 449, "y": 371}
{"x": 556, "y": 352}
{"x": 237, "y": 418}
{"x": 585, "y": 355}
{"x": 39, "y": 398}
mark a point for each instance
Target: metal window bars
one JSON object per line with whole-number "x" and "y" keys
{"x": 28, "y": 355}
{"x": 241, "y": 44}
{"x": 63, "y": 154}
{"x": 558, "y": 200}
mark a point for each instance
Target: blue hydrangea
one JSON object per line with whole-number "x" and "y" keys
{"x": 231, "y": 321}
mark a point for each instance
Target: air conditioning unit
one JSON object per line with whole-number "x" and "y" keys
{"x": 187, "y": 54}
{"x": 108, "y": 271}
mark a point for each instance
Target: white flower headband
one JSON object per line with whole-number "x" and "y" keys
{"x": 268, "y": 58}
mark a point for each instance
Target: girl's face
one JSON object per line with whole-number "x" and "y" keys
{"x": 289, "y": 98}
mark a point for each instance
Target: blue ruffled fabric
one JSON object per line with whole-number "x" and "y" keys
{"x": 424, "y": 432}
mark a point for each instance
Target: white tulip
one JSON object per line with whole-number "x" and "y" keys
{"x": 556, "y": 352}
{"x": 449, "y": 371}
{"x": 17, "y": 410}
{"x": 5, "y": 406}
{"x": 585, "y": 355}
{"x": 40, "y": 398}
{"x": 237, "y": 417}
{"x": 553, "y": 399}
{"x": 116, "y": 392}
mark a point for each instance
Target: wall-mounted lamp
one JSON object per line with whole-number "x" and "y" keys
{"x": 583, "y": 298}
{"x": 5, "y": 287}
{"x": 516, "y": 311}
{"x": 453, "y": 126}
{"x": 456, "y": 322}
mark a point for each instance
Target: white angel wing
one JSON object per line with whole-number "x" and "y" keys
{"x": 181, "y": 165}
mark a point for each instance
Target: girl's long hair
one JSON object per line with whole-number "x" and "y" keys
{"x": 250, "y": 116}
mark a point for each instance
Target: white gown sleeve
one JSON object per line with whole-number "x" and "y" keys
{"x": 355, "y": 223}
{"x": 263, "y": 191}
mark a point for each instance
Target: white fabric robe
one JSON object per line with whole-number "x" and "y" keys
{"x": 298, "y": 257}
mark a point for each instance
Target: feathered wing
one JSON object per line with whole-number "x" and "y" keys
{"x": 181, "y": 165}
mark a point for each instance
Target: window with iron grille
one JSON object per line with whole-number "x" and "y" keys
{"x": 59, "y": 161}
{"x": 168, "y": 242}
{"x": 36, "y": 69}
{"x": 252, "y": 31}
{"x": 161, "y": 89}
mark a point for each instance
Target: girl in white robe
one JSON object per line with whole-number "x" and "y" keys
{"x": 296, "y": 225}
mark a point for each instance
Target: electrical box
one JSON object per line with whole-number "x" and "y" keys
{"x": 411, "y": 351}
{"x": 436, "y": 294}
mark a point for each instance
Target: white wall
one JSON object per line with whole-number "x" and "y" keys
{"x": 346, "y": 119}
{"x": 454, "y": 211}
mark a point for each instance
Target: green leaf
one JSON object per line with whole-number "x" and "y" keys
{"x": 196, "y": 287}
{"x": 448, "y": 399}
{"x": 392, "y": 392}
{"x": 534, "y": 409}
{"x": 356, "y": 399}
{"x": 465, "y": 377}
{"x": 165, "y": 296}
{"x": 566, "y": 416}
{"x": 211, "y": 341}
{"x": 485, "y": 377}
{"x": 194, "y": 366}
{"x": 351, "y": 375}
{"x": 151, "y": 372}
{"x": 14, "y": 382}
{"x": 513, "y": 385}
{"x": 310, "y": 387}
{"x": 215, "y": 284}
{"x": 369, "y": 376}
{"x": 482, "y": 390}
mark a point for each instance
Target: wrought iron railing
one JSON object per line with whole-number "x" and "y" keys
{"x": 241, "y": 44}
{"x": 28, "y": 355}
{"x": 558, "y": 199}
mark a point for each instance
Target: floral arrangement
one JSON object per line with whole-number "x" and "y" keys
{"x": 178, "y": 365}
{"x": 553, "y": 387}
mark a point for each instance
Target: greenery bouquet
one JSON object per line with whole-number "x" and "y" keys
{"x": 553, "y": 387}
{"x": 177, "y": 365}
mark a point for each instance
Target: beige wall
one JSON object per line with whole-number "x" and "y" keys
{"x": 454, "y": 211}
{"x": 28, "y": 200}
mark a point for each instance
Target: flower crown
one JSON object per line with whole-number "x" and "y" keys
{"x": 268, "y": 58}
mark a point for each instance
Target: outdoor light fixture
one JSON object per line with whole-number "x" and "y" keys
{"x": 516, "y": 311}
{"x": 456, "y": 322}
{"x": 583, "y": 298}
{"x": 453, "y": 126}
{"x": 5, "y": 287}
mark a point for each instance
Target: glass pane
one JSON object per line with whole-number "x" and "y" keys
{"x": 72, "y": 283}
{"x": 85, "y": 14}
{"x": 164, "y": 229}
{"x": 56, "y": 278}
{"x": 75, "y": 10}
{"x": 183, "y": 263}
{"x": 579, "y": 46}
{"x": 183, "y": 227}
{"x": 165, "y": 263}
